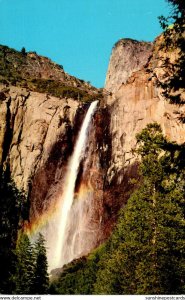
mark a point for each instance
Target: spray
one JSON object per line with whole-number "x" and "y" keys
{"x": 66, "y": 201}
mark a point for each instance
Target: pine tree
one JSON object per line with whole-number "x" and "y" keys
{"x": 174, "y": 40}
{"x": 41, "y": 278}
{"x": 146, "y": 251}
{"x": 178, "y": 7}
{"x": 11, "y": 204}
{"x": 78, "y": 277}
{"x": 25, "y": 265}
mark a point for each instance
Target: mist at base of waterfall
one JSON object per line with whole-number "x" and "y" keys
{"x": 70, "y": 234}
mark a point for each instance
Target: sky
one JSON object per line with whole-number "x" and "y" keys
{"x": 78, "y": 34}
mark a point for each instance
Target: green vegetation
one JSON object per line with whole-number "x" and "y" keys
{"x": 23, "y": 266}
{"x": 10, "y": 62}
{"x": 22, "y": 70}
{"x": 23, "y": 51}
{"x": 79, "y": 276}
{"x": 41, "y": 278}
{"x": 145, "y": 254}
{"x": 57, "y": 89}
{"x": 11, "y": 214}
{"x": 31, "y": 275}
{"x": 174, "y": 38}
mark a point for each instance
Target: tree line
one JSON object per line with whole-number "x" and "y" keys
{"x": 23, "y": 265}
{"x": 146, "y": 252}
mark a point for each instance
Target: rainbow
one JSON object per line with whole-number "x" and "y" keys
{"x": 38, "y": 223}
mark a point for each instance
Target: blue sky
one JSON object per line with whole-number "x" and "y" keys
{"x": 78, "y": 34}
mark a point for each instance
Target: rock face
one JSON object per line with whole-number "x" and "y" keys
{"x": 39, "y": 127}
{"x": 31, "y": 124}
{"x": 127, "y": 57}
{"x": 137, "y": 101}
{"x": 37, "y": 137}
{"x": 38, "y": 111}
{"x": 38, "y": 131}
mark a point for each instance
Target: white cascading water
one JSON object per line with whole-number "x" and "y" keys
{"x": 66, "y": 202}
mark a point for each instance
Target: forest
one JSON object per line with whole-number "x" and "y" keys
{"x": 145, "y": 254}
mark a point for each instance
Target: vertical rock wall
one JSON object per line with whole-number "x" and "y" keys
{"x": 32, "y": 124}
{"x": 137, "y": 101}
{"x": 127, "y": 56}
{"x": 38, "y": 132}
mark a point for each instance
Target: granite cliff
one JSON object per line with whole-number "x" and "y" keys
{"x": 136, "y": 99}
{"x": 38, "y": 106}
{"x": 41, "y": 111}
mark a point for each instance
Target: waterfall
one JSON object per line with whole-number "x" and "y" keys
{"x": 67, "y": 209}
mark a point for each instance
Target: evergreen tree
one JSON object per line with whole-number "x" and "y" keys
{"x": 25, "y": 265}
{"x": 174, "y": 40}
{"x": 41, "y": 278}
{"x": 11, "y": 204}
{"x": 179, "y": 7}
{"x": 146, "y": 252}
{"x": 23, "y": 51}
{"x": 79, "y": 276}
